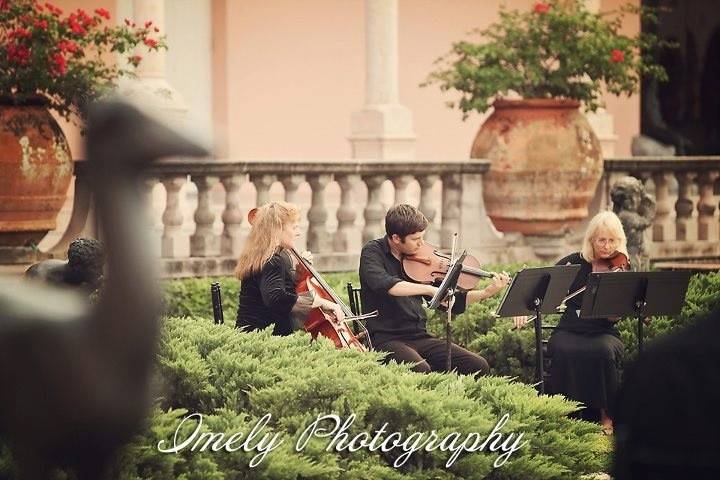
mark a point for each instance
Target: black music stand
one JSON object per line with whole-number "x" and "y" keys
{"x": 537, "y": 290}
{"x": 640, "y": 294}
{"x": 447, "y": 290}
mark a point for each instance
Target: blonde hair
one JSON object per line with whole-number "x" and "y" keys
{"x": 610, "y": 221}
{"x": 265, "y": 236}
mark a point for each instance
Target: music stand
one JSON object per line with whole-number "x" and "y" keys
{"x": 537, "y": 290}
{"x": 641, "y": 294}
{"x": 447, "y": 290}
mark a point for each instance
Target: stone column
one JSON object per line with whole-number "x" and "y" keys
{"x": 150, "y": 90}
{"x": 601, "y": 121}
{"x": 683, "y": 206}
{"x": 705, "y": 204}
{"x": 204, "y": 243}
{"x": 383, "y": 128}
{"x": 173, "y": 238}
{"x": 346, "y": 234}
{"x": 232, "y": 217}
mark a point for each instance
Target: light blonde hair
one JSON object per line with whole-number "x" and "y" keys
{"x": 610, "y": 221}
{"x": 265, "y": 236}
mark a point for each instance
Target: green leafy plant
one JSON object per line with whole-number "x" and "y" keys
{"x": 63, "y": 60}
{"x": 558, "y": 49}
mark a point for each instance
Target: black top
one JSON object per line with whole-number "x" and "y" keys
{"x": 570, "y": 321}
{"x": 267, "y": 297}
{"x": 397, "y": 316}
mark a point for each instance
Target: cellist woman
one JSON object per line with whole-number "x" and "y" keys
{"x": 586, "y": 354}
{"x": 266, "y": 270}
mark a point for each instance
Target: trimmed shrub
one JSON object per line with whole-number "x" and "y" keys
{"x": 235, "y": 378}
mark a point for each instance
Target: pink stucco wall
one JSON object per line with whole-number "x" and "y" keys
{"x": 288, "y": 74}
{"x": 294, "y": 72}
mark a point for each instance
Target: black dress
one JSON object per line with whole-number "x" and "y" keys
{"x": 586, "y": 354}
{"x": 268, "y": 297}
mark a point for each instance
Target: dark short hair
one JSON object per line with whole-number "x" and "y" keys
{"x": 403, "y": 220}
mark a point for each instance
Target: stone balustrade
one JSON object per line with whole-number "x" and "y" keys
{"x": 209, "y": 250}
{"x": 687, "y": 192}
{"x": 206, "y": 238}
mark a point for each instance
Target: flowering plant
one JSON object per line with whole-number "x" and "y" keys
{"x": 557, "y": 49}
{"x": 63, "y": 58}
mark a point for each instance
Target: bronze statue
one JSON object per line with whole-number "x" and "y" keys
{"x": 75, "y": 375}
{"x": 83, "y": 268}
{"x": 636, "y": 209}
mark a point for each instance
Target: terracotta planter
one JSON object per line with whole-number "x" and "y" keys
{"x": 35, "y": 171}
{"x": 546, "y": 163}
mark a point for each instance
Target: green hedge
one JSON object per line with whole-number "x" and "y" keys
{"x": 235, "y": 378}
{"x": 510, "y": 353}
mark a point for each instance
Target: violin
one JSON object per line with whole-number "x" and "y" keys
{"x": 617, "y": 263}
{"x": 319, "y": 322}
{"x": 429, "y": 265}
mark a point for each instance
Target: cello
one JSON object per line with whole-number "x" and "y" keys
{"x": 319, "y": 322}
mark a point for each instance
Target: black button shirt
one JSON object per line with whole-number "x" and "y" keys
{"x": 398, "y": 317}
{"x": 267, "y": 297}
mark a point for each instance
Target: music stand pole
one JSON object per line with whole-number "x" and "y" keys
{"x": 540, "y": 371}
{"x": 448, "y": 319}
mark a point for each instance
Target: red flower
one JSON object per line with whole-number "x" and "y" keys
{"x": 541, "y": 7}
{"x": 4, "y": 5}
{"x": 617, "y": 56}
{"x": 59, "y": 64}
{"x": 150, "y": 42}
{"x": 148, "y": 23}
{"x": 135, "y": 60}
{"x": 41, "y": 24}
{"x": 103, "y": 13}
{"x": 18, "y": 53}
{"x": 75, "y": 25}
{"x": 68, "y": 46}
{"x": 19, "y": 33}
{"x": 53, "y": 9}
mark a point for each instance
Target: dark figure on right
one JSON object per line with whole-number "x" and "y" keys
{"x": 587, "y": 353}
{"x": 666, "y": 416}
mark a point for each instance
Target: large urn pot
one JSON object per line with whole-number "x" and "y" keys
{"x": 546, "y": 163}
{"x": 35, "y": 171}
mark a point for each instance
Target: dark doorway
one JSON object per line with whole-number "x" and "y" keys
{"x": 685, "y": 111}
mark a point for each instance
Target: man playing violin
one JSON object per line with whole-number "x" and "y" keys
{"x": 400, "y": 327}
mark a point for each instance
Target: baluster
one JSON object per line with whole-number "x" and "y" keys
{"x": 345, "y": 214}
{"x": 172, "y": 217}
{"x": 291, "y": 183}
{"x": 204, "y": 243}
{"x": 401, "y": 183}
{"x": 660, "y": 231}
{"x": 683, "y": 205}
{"x": 232, "y": 216}
{"x": 262, "y": 183}
{"x": 318, "y": 239}
{"x": 427, "y": 206}
{"x": 706, "y": 204}
{"x": 146, "y": 192}
{"x": 451, "y": 197}
{"x": 374, "y": 212}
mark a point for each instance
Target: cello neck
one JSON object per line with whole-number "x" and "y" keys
{"x": 314, "y": 273}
